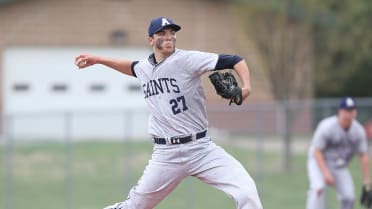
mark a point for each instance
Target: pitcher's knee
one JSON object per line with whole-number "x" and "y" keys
{"x": 247, "y": 200}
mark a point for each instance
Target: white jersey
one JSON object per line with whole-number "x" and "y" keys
{"x": 174, "y": 93}
{"x": 339, "y": 145}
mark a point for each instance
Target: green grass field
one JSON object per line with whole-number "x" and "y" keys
{"x": 103, "y": 172}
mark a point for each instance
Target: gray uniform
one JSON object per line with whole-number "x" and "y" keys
{"x": 174, "y": 93}
{"x": 338, "y": 147}
{"x": 176, "y": 102}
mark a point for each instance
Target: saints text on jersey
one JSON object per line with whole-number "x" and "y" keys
{"x": 160, "y": 86}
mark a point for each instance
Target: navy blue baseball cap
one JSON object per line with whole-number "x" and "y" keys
{"x": 160, "y": 23}
{"x": 347, "y": 103}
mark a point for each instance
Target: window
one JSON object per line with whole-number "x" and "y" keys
{"x": 59, "y": 88}
{"x": 134, "y": 88}
{"x": 97, "y": 88}
{"x": 21, "y": 87}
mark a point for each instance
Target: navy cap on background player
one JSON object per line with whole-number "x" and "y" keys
{"x": 160, "y": 23}
{"x": 347, "y": 103}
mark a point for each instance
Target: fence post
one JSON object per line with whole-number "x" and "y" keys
{"x": 287, "y": 120}
{"x": 190, "y": 197}
{"x": 127, "y": 142}
{"x": 260, "y": 148}
{"x": 68, "y": 160}
{"x": 9, "y": 162}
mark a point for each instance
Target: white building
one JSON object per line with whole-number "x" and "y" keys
{"x": 45, "y": 95}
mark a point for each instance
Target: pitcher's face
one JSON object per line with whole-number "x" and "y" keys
{"x": 164, "y": 41}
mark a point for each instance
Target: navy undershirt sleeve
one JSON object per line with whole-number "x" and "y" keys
{"x": 227, "y": 61}
{"x": 132, "y": 68}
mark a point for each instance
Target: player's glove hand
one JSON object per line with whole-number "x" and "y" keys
{"x": 366, "y": 197}
{"x": 227, "y": 87}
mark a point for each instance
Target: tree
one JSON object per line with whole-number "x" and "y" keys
{"x": 284, "y": 42}
{"x": 343, "y": 50}
{"x": 360, "y": 82}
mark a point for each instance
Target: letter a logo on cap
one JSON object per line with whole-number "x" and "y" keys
{"x": 349, "y": 102}
{"x": 164, "y": 22}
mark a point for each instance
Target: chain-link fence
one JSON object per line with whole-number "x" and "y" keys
{"x": 89, "y": 159}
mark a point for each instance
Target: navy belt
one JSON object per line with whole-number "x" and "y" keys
{"x": 180, "y": 139}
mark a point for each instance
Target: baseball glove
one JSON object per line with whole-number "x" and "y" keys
{"x": 227, "y": 87}
{"x": 366, "y": 197}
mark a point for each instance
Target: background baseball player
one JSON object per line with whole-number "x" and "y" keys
{"x": 336, "y": 140}
{"x": 172, "y": 88}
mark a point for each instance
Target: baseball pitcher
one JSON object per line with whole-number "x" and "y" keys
{"x": 336, "y": 140}
{"x": 172, "y": 88}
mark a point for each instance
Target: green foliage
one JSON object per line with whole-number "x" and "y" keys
{"x": 360, "y": 83}
{"x": 343, "y": 50}
{"x": 341, "y": 35}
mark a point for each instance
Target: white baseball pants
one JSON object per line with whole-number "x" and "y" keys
{"x": 203, "y": 159}
{"x": 343, "y": 186}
